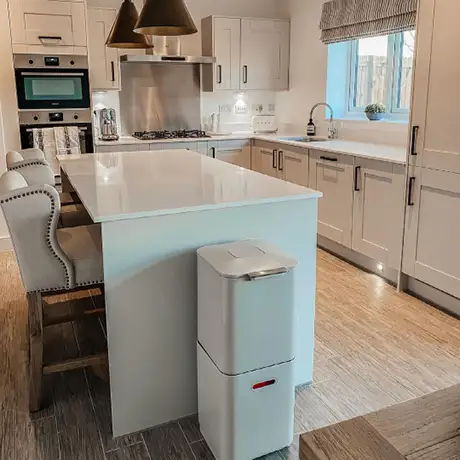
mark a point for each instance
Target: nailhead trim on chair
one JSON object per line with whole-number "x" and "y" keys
{"x": 26, "y": 165}
{"x": 48, "y": 236}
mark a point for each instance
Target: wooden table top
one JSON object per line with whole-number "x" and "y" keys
{"x": 427, "y": 428}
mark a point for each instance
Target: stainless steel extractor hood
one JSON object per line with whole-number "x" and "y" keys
{"x": 155, "y": 58}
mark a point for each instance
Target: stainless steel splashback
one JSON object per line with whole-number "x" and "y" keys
{"x": 160, "y": 96}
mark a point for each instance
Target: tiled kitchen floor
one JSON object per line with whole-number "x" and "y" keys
{"x": 374, "y": 348}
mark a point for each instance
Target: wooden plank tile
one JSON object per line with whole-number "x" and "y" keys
{"x": 167, "y": 443}
{"x": 44, "y": 442}
{"x": 202, "y": 451}
{"x": 447, "y": 450}
{"x": 420, "y": 423}
{"x": 351, "y": 440}
{"x": 134, "y": 452}
{"x": 191, "y": 428}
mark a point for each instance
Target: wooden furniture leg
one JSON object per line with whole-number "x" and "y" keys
{"x": 35, "y": 350}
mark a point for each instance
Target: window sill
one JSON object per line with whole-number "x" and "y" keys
{"x": 361, "y": 119}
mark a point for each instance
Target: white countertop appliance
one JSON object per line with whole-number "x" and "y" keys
{"x": 108, "y": 125}
{"x": 264, "y": 124}
{"x": 246, "y": 349}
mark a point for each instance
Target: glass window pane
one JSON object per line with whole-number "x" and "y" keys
{"x": 404, "y": 70}
{"x": 370, "y": 71}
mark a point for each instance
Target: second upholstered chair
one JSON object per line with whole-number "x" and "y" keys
{"x": 51, "y": 261}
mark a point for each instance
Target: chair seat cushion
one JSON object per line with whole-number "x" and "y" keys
{"x": 74, "y": 216}
{"x": 83, "y": 246}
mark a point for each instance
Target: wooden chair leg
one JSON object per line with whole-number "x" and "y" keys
{"x": 35, "y": 350}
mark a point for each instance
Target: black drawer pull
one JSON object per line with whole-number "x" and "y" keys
{"x": 357, "y": 172}
{"x": 49, "y": 37}
{"x": 213, "y": 150}
{"x": 410, "y": 201}
{"x": 112, "y": 64}
{"x": 219, "y": 74}
{"x": 245, "y": 74}
{"x": 280, "y": 160}
{"x": 328, "y": 158}
{"x": 413, "y": 147}
{"x": 275, "y": 158}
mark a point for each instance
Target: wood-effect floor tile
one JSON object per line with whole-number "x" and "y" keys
{"x": 447, "y": 450}
{"x": 191, "y": 428}
{"x": 134, "y": 452}
{"x": 201, "y": 451}
{"x": 167, "y": 443}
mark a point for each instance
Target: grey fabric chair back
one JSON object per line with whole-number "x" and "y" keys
{"x": 32, "y": 215}
{"x": 36, "y": 174}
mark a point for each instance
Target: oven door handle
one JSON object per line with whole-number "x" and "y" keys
{"x": 30, "y": 130}
{"x": 51, "y": 74}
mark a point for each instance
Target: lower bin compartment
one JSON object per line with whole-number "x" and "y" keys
{"x": 245, "y": 416}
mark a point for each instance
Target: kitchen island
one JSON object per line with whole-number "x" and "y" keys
{"x": 156, "y": 209}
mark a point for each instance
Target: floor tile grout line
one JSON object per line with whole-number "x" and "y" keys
{"x": 186, "y": 440}
{"x": 145, "y": 445}
{"x": 57, "y": 434}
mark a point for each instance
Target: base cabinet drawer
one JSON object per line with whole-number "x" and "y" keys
{"x": 236, "y": 152}
{"x": 332, "y": 174}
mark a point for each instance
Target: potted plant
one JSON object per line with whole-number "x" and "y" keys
{"x": 375, "y": 111}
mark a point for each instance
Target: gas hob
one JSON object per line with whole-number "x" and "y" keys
{"x": 162, "y": 135}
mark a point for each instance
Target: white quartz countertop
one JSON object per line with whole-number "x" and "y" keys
{"x": 127, "y": 185}
{"x": 382, "y": 152}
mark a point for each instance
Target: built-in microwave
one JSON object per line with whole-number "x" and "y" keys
{"x": 52, "y": 82}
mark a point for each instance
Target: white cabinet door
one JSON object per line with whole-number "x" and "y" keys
{"x": 293, "y": 165}
{"x": 436, "y": 94}
{"x": 378, "y": 210}
{"x": 227, "y": 33}
{"x": 332, "y": 175}
{"x": 264, "y": 54}
{"x": 46, "y": 23}
{"x": 265, "y": 161}
{"x": 236, "y": 152}
{"x": 193, "y": 146}
{"x": 103, "y": 61}
{"x": 431, "y": 250}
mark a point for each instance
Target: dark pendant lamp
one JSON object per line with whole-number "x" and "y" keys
{"x": 122, "y": 34}
{"x": 165, "y": 18}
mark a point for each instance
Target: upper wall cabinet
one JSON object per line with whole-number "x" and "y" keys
{"x": 46, "y": 26}
{"x": 265, "y": 54}
{"x": 104, "y": 62}
{"x": 251, "y": 54}
{"x": 435, "y": 114}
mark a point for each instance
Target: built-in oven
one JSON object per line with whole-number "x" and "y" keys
{"x": 52, "y": 82}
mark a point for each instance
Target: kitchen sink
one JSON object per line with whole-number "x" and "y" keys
{"x": 304, "y": 139}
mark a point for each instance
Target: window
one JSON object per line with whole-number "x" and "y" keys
{"x": 381, "y": 71}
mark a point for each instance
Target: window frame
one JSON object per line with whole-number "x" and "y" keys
{"x": 395, "y": 50}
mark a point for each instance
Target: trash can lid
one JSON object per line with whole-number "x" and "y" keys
{"x": 253, "y": 258}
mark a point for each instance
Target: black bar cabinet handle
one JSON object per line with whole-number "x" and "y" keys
{"x": 113, "y": 70}
{"x": 245, "y": 74}
{"x": 213, "y": 150}
{"x": 411, "y": 192}
{"x": 357, "y": 171}
{"x": 49, "y": 37}
{"x": 219, "y": 74}
{"x": 275, "y": 152}
{"x": 328, "y": 158}
{"x": 413, "y": 147}
{"x": 280, "y": 160}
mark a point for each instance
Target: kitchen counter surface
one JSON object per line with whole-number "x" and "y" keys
{"x": 128, "y": 185}
{"x": 380, "y": 152}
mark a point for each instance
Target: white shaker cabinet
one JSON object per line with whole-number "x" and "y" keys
{"x": 221, "y": 38}
{"x": 378, "y": 210}
{"x": 251, "y": 54}
{"x": 104, "y": 62}
{"x": 431, "y": 249}
{"x": 237, "y": 152}
{"x": 42, "y": 26}
{"x": 435, "y": 114}
{"x": 264, "y": 54}
{"x": 265, "y": 159}
{"x": 293, "y": 165}
{"x": 332, "y": 174}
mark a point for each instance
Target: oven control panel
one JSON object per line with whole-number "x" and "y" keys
{"x": 39, "y": 61}
{"x": 49, "y": 117}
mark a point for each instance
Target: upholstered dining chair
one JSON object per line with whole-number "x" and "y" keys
{"x": 32, "y": 159}
{"x": 51, "y": 261}
{"x": 72, "y": 215}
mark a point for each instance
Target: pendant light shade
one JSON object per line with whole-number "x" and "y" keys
{"x": 122, "y": 34}
{"x": 165, "y": 17}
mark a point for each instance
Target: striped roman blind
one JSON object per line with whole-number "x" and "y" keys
{"x": 344, "y": 20}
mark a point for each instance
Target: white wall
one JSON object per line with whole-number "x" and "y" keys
{"x": 9, "y": 125}
{"x": 308, "y": 76}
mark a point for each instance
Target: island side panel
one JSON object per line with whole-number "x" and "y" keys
{"x": 151, "y": 300}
